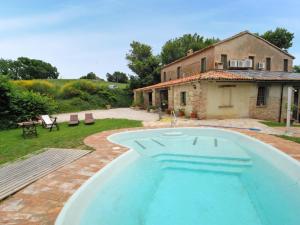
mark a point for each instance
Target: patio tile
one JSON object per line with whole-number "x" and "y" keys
{"x": 40, "y": 202}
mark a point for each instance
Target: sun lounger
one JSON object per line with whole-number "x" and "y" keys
{"x": 49, "y": 122}
{"x": 89, "y": 119}
{"x": 73, "y": 120}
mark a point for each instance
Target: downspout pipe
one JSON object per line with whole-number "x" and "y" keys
{"x": 280, "y": 104}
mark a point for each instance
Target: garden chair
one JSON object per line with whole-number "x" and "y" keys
{"x": 73, "y": 120}
{"x": 89, "y": 119}
{"x": 49, "y": 122}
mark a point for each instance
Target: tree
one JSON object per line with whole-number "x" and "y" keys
{"x": 25, "y": 68}
{"x": 280, "y": 37}
{"x": 118, "y": 77}
{"x": 91, "y": 76}
{"x": 296, "y": 69}
{"x": 144, "y": 64}
{"x": 178, "y": 47}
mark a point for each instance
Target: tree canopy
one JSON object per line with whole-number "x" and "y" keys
{"x": 26, "y": 69}
{"x": 178, "y": 47}
{"x": 117, "y": 76}
{"x": 280, "y": 37}
{"x": 91, "y": 76}
{"x": 296, "y": 69}
{"x": 144, "y": 64}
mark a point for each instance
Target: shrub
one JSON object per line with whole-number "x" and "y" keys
{"x": 28, "y": 105}
{"x": 40, "y": 86}
{"x": 76, "y": 88}
{"x": 19, "y": 105}
{"x": 79, "y": 104}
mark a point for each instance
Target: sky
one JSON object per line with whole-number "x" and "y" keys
{"x": 94, "y": 35}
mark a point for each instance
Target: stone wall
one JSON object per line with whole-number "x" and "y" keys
{"x": 192, "y": 97}
{"x": 190, "y": 65}
{"x": 248, "y": 45}
{"x": 202, "y": 105}
{"x": 271, "y": 110}
{"x": 268, "y": 112}
{"x": 238, "y": 48}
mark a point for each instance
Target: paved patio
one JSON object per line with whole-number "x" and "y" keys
{"x": 244, "y": 123}
{"x": 41, "y": 202}
{"x": 121, "y": 113}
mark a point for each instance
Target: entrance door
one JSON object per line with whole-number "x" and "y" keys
{"x": 150, "y": 98}
{"x": 164, "y": 99}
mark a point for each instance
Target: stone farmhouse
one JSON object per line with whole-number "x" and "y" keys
{"x": 243, "y": 76}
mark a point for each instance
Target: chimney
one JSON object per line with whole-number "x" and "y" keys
{"x": 190, "y": 52}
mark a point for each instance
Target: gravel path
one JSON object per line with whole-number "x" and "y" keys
{"x": 126, "y": 113}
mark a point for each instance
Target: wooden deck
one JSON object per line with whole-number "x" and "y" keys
{"x": 16, "y": 176}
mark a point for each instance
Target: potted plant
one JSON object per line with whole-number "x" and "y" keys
{"x": 181, "y": 112}
{"x": 168, "y": 111}
{"x": 153, "y": 109}
{"x": 164, "y": 104}
{"x": 193, "y": 115}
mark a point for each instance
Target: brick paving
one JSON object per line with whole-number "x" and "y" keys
{"x": 41, "y": 202}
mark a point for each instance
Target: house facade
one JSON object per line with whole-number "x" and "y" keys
{"x": 243, "y": 76}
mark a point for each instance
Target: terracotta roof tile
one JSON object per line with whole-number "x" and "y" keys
{"x": 210, "y": 75}
{"x": 233, "y": 75}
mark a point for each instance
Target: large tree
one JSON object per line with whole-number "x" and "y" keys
{"x": 26, "y": 68}
{"x": 280, "y": 37}
{"x": 91, "y": 76}
{"x": 178, "y": 47}
{"x": 144, "y": 64}
{"x": 296, "y": 69}
{"x": 117, "y": 76}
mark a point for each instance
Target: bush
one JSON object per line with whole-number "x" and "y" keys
{"x": 76, "y": 88}
{"x": 40, "y": 86}
{"x": 78, "y": 104}
{"x": 28, "y": 105}
{"x": 18, "y": 105}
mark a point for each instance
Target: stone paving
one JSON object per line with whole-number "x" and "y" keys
{"x": 41, "y": 202}
{"x": 121, "y": 113}
{"x": 233, "y": 123}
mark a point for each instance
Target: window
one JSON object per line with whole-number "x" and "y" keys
{"x": 261, "y": 96}
{"x": 268, "y": 64}
{"x": 224, "y": 61}
{"x": 183, "y": 98}
{"x": 203, "y": 65}
{"x": 226, "y": 96}
{"x": 253, "y": 62}
{"x": 178, "y": 72}
{"x": 165, "y": 76}
{"x": 285, "y": 65}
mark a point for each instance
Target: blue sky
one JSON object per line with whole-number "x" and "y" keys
{"x": 94, "y": 35}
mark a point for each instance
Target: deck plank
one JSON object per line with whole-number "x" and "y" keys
{"x": 18, "y": 175}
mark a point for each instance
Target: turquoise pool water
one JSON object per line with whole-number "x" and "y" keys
{"x": 190, "y": 176}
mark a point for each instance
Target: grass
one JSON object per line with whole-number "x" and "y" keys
{"x": 13, "y": 146}
{"x": 294, "y": 139}
{"x": 275, "y": 124}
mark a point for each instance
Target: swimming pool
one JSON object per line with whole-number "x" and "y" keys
{"x": 189, "y": 176}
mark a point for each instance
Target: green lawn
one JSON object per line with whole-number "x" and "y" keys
{"x": 295, "y": 139}
{"x": 275, "y": 124}
{"x": 13, "y": 146}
